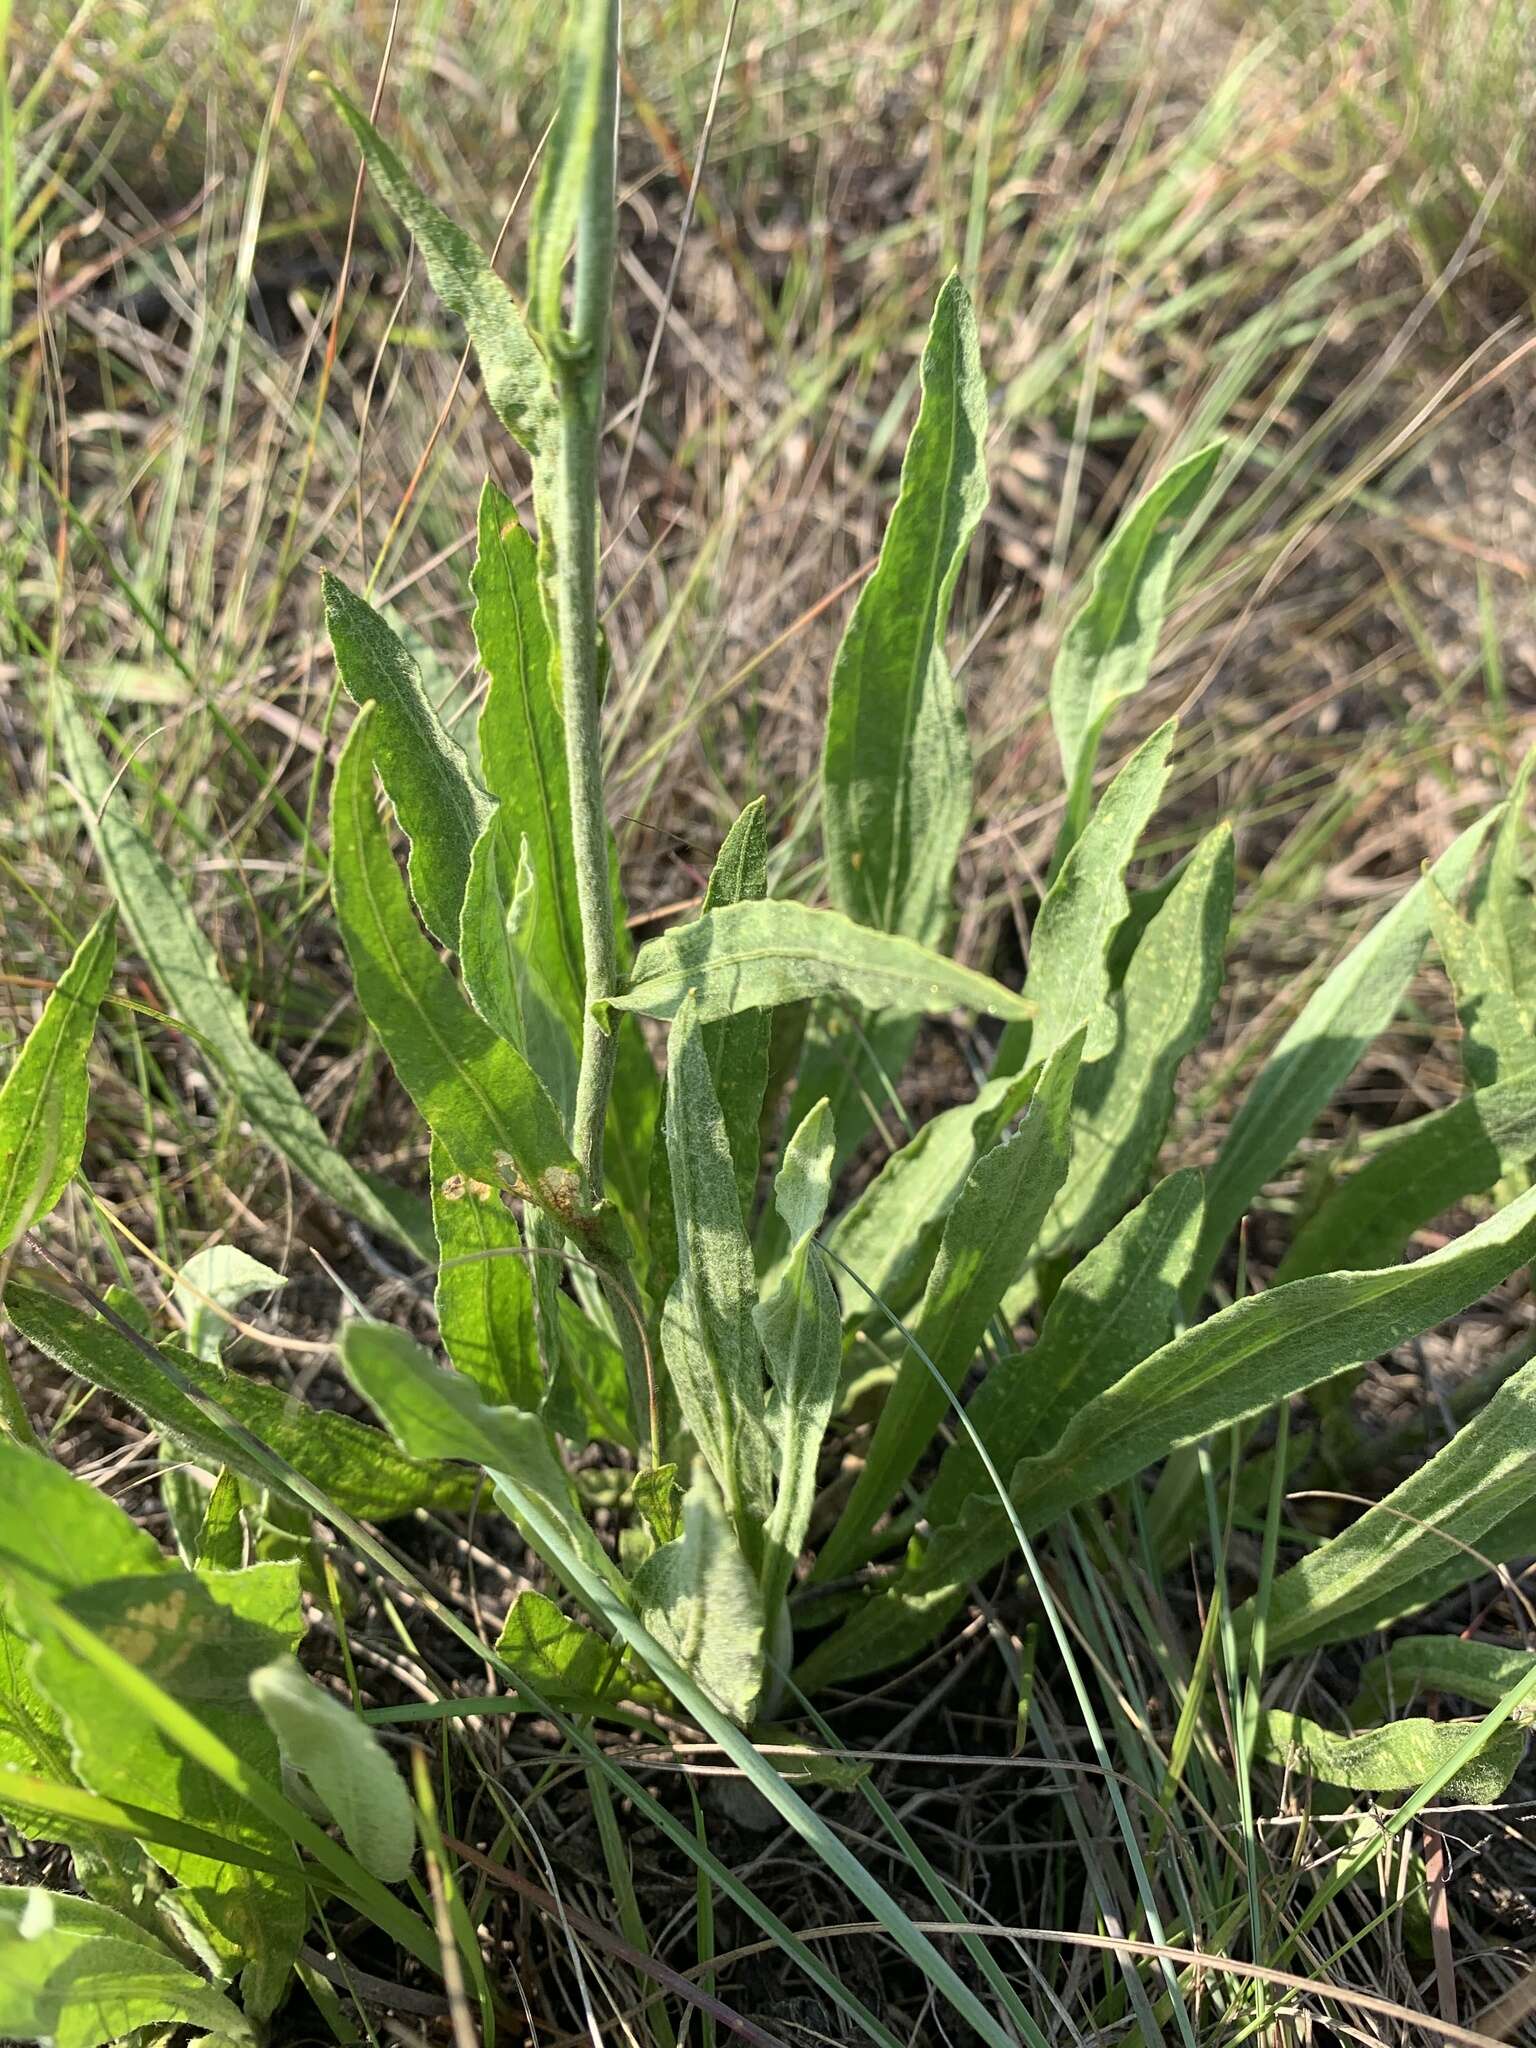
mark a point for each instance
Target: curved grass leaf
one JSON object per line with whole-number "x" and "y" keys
{"x": 1107, "y": 651}
{"x": 1353, "y": 1006}
{"x": 63, "y": 1544}
{"x": 77, "y": 1975}
{"x": 516, "y": 379}
{"x": 699, "y": 1599}
{"x": 1401, "y": 1755}
{"x": 988, "y": 1236}
{"x": 1421, "y": 1171}
{"x": 181, "y": 960}
{"x": 1123, "y": 1102}
{"x": 1068, "y": 978}
{"x": 713, "y": 1357}
{"x": 801, "y": 1333}
{"x": 441, "y": 808}
{"x": 1481, "y": 1672}
{"x": 356, "y": 1468}
{"x": 1470, "y": 1507}
{"x": 477, "y": 1093}
{"x": 344, "y": 1764}
{"x": 752, "y": 956}
{"x": 484, "y": 1291}
{"x": 896, "y": 768}
{"x": 43, "y": 1100}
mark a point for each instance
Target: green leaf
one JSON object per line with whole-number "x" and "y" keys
{"x": 751, "y": 956}
{"x": 344, "y": 1764}
{"x": 1471, "y": 1503}
{"x": 356, "y": 1468}
{"x": 737, "y": 1047}
{"x": 1497, "y": 1042}
{"x": 1421, "y": 1171}
{"x": 220, "y": 1276}
{"x": 1480, "y": 1672}
{"x": 516, "y": 379}
{"x": 1123, "y": 1102}
{"x": 714, "y": 1361}
{"x": 1395, "y": 1758}
{"x": 896, "y": 770}
{"x": 441, "y": 808}
{"x": 484, "y": 1289}
{"x": 435, "y": 1414}
{"x": 800, "y": 1329}
{"x": 76, "y": 1975}
{"x": 185, "y": 966}
{"x": 699, "y": 1599}
{"x": 502, "y": 975}
{"x": 1107, "y": 651}
{"x": 477, "y": 1093}
{"x": 1113, "y": 1309}
{"x": 987, "y": 1239}
{"x": 569, "y": 1664}
{"x": 198, "y": 1636}
{"x": 522, "y": 737}
{"x": 43, "y": 1101}
{"x": 578, "y": 159}
{"x": 1507, "y": 915}
{"x": 1085, "y": 906}
{"x": 890, "y": 1232}
{"x": 1353, "y": 1006}
{"x": 221, "y": 1535}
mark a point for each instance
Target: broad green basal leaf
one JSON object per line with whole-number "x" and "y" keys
{"x": 698, "y": 1597}
{"x": 1396, "y": 1758}
{"x": 344, "y": 1764}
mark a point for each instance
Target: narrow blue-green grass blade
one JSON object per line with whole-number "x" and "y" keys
{"x": 1107, "y": 651}
{"x": 1472, "y": 1500}
{"x": 1419, "y": 1173}
{"x": 421, "y": 1408}
{"x": 358, "y": 1469}
{"x": 1163, "y": 1006}
{"x": 714, "y": 1360}
{"x": 1084, "y": 907}
{"x": 1395, "y": 1757}
{"x": 484, "y": 1289}
{"x": 78, "y": 1975}
{"x": 989, "y": 1235}
{"x": 157, "y": 912}
{"x": 43, "y": 1101}
{"x": 737, "y": 1047}
{"x": 477, "y": 1093}
{"x": 441, "y": 808}
{"x": 516, "y": 378}
{"x": 1353, "y": 1006}
{"x": 896, "y": 768}
{"x": 752, "y": 956}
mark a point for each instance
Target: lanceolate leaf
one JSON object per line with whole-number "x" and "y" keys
{"x": 1472, "y": 1501}
{"x": 567, "y": 1663}
{"x": 1415, "y": 1665}
{"x": 477, "y": 1093}
{"x": 1497, "y": 1042}
{"x": 737, "y": 1047}
{"x": 43, "y": 1101}
{"x": 1507, "y": 914}
{"x": 1396, "y": 1758}
{"x": 441, "y": 808}
{"x": 484, "y": 1288}
{"x": 1107, "y": 650}
{"x": 1419, "y": 1173}
{"x": 344, "y": 1764}
{"x": 751, "y": 956}
{"x": 801, "y": 1332}
{"x": 516, "y": 379}
{"x": 578, "y": 152}
{"x": 896, "y": 771}
{"x": 499, "y": 956}
{"x": 77, "y": 1975}
{"x": 220, "y": 1276}
{"x": 1124, "y": 1101}
{"x": 183, "y": 963}
{"x": 711, "y": 1344}
{"x": 1087, "y": 903}
{"x": 199, "y": 1637}
{"x": 1317, "y": 1054}
{"x": 699, "y": 1599}
{"x": 988, "y": 1237}
{"x": 356, "y": 1468}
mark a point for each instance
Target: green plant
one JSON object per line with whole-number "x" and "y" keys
{"x": 609, "y": 1270}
